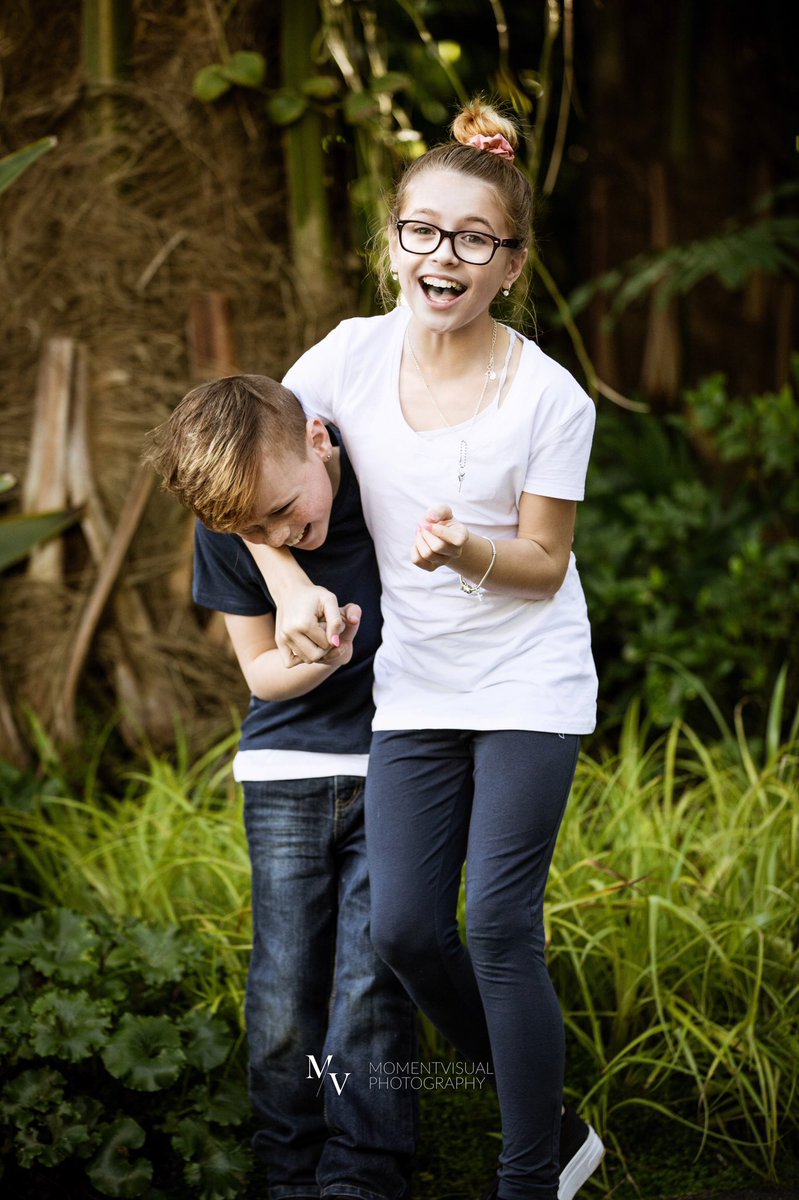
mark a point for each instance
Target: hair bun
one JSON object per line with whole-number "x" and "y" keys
{"x": 479, "y": 118}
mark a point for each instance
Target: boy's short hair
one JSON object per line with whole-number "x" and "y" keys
{"x": 211, "y": 451}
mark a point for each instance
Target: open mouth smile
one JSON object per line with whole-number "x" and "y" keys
{"x": 436, "y": 287}
{"x": 296, "y": 541}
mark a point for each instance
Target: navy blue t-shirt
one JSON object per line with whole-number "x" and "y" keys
{"x": 337, "y": 715}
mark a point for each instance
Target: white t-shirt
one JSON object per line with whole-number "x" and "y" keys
{"x": 449, "y": 660}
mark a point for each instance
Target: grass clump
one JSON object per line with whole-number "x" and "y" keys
{"x": 673, "y": 917}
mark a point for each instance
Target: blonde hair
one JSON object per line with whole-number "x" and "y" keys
{"x": 212, "y": 449}
{"x": 513, "y": 188}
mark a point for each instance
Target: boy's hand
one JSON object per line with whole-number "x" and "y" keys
{"x": 309, "y": 626}
{"x": 439, "y": 539}
{"x": 341, "y": 654}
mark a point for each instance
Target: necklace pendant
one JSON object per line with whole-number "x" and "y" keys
{"x": 462, "y": 462}
{"x": 492, "y": 375}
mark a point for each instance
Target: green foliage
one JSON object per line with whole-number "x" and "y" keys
{"x": 688, "y": 553}
{"x": 245, "y": 68}
{"x": 13, "y": 165}
{"x": 674, "y": 919}
{"x": 96, "y": 1075}
{"x": 767, "y": 244}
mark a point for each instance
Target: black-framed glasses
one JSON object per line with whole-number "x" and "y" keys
{"x": 469, "y": 245}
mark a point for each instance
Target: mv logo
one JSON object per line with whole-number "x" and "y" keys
{"x": 324, "y": 1071}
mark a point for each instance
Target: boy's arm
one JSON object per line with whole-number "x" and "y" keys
{"x": 309, "y": 623}
{"x": 253, "y": 640}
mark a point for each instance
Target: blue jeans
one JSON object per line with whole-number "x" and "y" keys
{"x": 321, "y": 1005}
{"x": 495, "y": 799}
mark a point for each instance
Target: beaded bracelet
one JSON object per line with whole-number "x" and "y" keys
{"x": 477, "y": 589}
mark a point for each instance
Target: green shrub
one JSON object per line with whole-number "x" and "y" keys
{"x": 109, "y": 1067}
{"x": 688, "y": 552}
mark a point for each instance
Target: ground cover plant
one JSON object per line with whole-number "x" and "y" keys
{"x": 672, "y": 914}
{"x": 112, "y": 1075}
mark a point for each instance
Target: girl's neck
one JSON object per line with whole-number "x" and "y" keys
{"x": 455, "y": 351}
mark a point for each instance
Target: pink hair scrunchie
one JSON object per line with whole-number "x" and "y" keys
{"x": 495, "y": 144}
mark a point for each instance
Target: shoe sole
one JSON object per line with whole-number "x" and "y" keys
{"x": 582, "y": 1166}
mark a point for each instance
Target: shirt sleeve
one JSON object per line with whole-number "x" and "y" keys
{"x": 315, "y": 377}
{"x": 226, "y": 578}
{"x": 560, "y": 451}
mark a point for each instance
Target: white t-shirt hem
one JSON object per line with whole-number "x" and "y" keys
{"x": 252, "y": 766}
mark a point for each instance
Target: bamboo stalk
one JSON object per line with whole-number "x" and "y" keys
{"x": 45, "y": 485}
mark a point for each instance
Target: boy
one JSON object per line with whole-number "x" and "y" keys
{"x": 321, "y": 1006}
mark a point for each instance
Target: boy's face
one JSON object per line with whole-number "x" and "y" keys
{"x": 295, "y": 494}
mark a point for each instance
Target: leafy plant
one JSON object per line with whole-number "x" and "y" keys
{"x": 765, "y": 243}
{"x": 96, "y": 1074}
{"x": 687, "y": 551}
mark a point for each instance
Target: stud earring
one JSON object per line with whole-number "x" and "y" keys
{"x": 506, "y": 291}
{"x": 395, "y": 275}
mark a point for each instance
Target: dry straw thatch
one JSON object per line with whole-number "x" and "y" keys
{"x": 150, "y": 206}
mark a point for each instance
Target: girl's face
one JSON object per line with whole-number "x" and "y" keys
{"x": 444, "y": 294}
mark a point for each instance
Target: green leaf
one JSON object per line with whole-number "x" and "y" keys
{"x": 210, "y": 83}
{"x": 392, "y": 81}
{"x": 208, "y": 1041}
{"x": 58, "y": 944}
{"x": 246, "y": 68}
{"x": 321, "y": 87}
{"x": 145, "y": 1053}
{"x": 228, "y": 1104}
{"x": 159, "y": 955}
{"x": 52, "y": 1138}
{"x": 359, "y": 107}
{"x": 19, "y": 534}
{"x": 15, "y": 1027}
{"x": 69, "y": 1025}
{"x": 217, "y": 1166}
{"x": 285, "y": 106}
{"x": 32, "y": 1091}
{"x": 12, "y": 166}
{"x": 9, "y": 978}
{"x": 114, "y": 1172}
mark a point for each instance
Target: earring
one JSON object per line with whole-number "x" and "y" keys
{"x": 506, "y": 291}
{"x": 395, "y": 275}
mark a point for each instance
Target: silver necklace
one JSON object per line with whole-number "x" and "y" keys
{"x": 490, "y": 374}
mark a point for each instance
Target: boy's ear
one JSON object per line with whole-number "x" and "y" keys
{"x": 318, "y": 438}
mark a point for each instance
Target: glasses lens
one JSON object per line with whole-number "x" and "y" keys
{"x": 419, "y": 238}
{"x": 473, "y": 246}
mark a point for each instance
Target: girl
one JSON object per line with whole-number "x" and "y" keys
{"x": 471, "y": 448}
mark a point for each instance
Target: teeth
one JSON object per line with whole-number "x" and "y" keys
{"x": 442, "y": 284}
{"x": 299, "y": 538}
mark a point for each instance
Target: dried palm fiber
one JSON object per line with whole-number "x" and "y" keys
{"x": 107, "y": 240}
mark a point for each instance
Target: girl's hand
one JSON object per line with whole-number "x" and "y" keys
{"x": 440, "y": 539}
{"x": 309, "y": 625}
